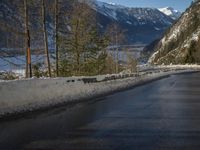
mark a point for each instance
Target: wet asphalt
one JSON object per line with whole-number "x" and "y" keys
{"x": 161, "y": 115}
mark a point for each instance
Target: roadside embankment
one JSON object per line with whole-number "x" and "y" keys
{"x": 21, "y": 96}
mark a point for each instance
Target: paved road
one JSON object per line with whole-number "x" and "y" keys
{"x": 161, "y": 115}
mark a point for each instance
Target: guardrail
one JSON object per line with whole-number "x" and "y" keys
{"x": 110, "y": 77}
{"x": 101, "y": 78}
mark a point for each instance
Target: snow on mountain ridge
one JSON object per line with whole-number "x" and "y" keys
{"x": 107, "y": 9}
{"x": 143, "y": 15}
{"x": 137, "y": 21}
{"x": 113, "y": 10}
{"x": 111, "y": 3}
{"x": 169, "y": 11}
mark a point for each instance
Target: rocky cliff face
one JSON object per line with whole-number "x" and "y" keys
{"x": 181, "y": 43}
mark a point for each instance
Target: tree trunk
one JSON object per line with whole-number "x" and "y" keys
{"x": 77, "y": 51}
{"x": 56, "y": 36}
{"x": 117, "y": 53}
{"x": 28, "y": 51}
{"x": 45, "y": 38}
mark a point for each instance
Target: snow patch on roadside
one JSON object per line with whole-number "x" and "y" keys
{"x": 33, "y": 94}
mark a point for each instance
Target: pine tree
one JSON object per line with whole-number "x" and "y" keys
{"x": 84, "y": 49}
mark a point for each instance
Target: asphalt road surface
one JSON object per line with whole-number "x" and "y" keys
{"x": 161, "y": 115}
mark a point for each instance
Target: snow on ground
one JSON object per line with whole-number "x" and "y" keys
{"x": 32, "y": 94}
{"x": 16, "y": 64}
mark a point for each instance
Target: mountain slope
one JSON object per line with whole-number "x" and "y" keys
{"x": 12, "y": 25}
{"x": 181, "y": 44}
{"x": 141, "y": 25}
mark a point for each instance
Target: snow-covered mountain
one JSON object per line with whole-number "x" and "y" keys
{"x": 181, "y": 43}
{"x": 169, "y": 11}
{"x": 139, "y": 15}
{"x": 142, "y": 25}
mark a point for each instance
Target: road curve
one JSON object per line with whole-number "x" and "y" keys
{"x": 164, "y": 114}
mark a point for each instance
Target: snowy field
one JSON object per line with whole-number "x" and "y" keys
{"x": 16, "y": 64}
{"x": 32, "y": 94}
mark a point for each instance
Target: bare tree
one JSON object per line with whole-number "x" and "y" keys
{"x": 131, "y": 63}
{"x": 45, "y": 37}
{"x": 117, "y": 37}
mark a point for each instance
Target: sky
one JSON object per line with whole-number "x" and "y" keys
{"x": 180, "y": 5}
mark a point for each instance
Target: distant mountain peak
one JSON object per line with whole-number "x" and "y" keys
{"x": 169, "y": 11}
{"x": 111, "y": 3}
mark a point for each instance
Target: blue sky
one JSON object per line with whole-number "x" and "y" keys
{"x": 180, "y": 5}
